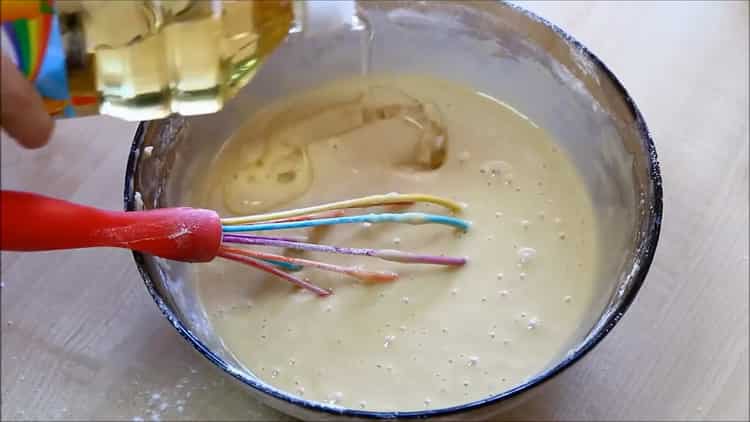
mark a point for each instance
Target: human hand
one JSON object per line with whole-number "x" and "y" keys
{"x": 22, "y": 112}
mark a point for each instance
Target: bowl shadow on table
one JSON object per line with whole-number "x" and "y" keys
{"x": 547, "y": 401}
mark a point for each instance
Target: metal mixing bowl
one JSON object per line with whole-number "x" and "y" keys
{"x": 498, "y": 49}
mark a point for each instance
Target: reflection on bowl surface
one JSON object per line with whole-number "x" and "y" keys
{"x": 545, "y": 147}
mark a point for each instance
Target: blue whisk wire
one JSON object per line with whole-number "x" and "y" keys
{"x": 374, "y": 218}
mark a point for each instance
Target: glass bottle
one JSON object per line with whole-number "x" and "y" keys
{"x": 144, "y": 59}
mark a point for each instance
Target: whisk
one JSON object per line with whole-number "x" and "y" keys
{"x": 32, "y": 222}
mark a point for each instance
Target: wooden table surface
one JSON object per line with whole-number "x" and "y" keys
{"x": 81, "y": 338}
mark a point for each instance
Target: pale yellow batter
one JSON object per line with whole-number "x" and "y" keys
{"x": 436, "y": 337}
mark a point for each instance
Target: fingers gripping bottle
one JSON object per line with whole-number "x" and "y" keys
{"x": 147, "y": 59}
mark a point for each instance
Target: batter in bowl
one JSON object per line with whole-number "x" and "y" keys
{"x": 437, "y": 337}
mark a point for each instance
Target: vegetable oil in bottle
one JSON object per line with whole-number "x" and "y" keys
{"x": 143, "y": 59}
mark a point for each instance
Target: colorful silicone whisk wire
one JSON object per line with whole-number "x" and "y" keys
{"x": 199, "y": 235}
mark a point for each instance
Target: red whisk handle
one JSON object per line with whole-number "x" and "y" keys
{"x": 32, "y": 222}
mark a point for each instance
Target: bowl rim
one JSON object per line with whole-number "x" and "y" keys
{"x": 644, "y": 257}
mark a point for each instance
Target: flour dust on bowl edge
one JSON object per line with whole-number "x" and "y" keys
{"x": 495, "y": 48}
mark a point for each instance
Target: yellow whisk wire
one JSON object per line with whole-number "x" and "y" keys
{"x": 367, "y": 201}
